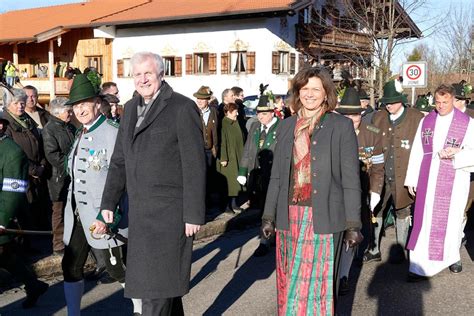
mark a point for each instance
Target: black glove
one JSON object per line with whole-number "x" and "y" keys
{"x": 352, "y": 237}
{"x": 268, "y": 228}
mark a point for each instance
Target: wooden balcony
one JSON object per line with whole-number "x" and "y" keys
{"x": 336, "y": 40}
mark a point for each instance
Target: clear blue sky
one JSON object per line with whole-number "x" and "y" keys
{"x": 8, "y": 5}
{"x": 425, "y": 17}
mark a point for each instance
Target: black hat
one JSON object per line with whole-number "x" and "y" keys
{"x": 460, "y": 92}
{"x": 350, "y": 102}
{"x": 423, "y": 105}
{"x": 265, "y": 104}
{"x": 363, "y": 95}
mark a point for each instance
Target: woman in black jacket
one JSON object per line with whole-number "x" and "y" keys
{"x": 313, "y": 197}
{"x": 58, "y": 136}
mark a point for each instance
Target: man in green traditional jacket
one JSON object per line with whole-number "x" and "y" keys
{"x": 13, "y": 184}
{"x": 256, "y": 162}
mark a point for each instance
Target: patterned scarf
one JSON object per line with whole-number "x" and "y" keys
{"x": 24, "y": 120}
{"x": 302, "y": 156}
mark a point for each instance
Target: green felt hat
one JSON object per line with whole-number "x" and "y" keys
{"x": 350, "y": 102}
{"x": 203, "y": 93}
{"x": 393, "y": 93}
{"x": 81, "y": 89}
{"x": 264, "y": 104}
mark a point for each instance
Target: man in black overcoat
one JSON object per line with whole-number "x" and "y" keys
{"x": 159, "y": 160}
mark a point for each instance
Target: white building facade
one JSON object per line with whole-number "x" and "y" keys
{"x": 220, "y": 54}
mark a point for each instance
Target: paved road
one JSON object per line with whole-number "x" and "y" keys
{"x": 227, "y": 280}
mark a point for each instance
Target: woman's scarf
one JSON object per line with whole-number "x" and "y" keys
{"x": 302, "y": 155}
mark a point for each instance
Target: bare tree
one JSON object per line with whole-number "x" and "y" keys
{"x": 455, "y": 41}
{"x": 384, "y": 23}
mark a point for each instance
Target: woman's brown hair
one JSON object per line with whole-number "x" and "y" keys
{"x": 229, "y": 107}
{"x": 302, "y": 78}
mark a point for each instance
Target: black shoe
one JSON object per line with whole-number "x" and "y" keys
{"x": 412, "y": 277}
{"x": 94, "y": 275}
{"x": 397, "y": 255}
{"x": 369, "y": 257}
{"x": 261, "y": 251}
{"x": 343, "y": 286}
{"x": 456, "y": 267}
{"x": 106, "y": 279}
{"x": 33, "y": 294}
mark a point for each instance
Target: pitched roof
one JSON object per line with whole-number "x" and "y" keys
{"x": 25, "y": 25}
{"x": 169, "y": 10}
{"x": 39, "y": 24}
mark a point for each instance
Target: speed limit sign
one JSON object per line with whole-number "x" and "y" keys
{"x": 414, "y": 74}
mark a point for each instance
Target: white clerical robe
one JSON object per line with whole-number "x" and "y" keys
{"x": 464, "y": 164}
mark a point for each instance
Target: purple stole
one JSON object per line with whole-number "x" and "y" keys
{"x": 444, "y": 183}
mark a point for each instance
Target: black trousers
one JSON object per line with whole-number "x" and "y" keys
{"x": 75, "y": 256}
{"x": 162, "y": 307}
{"x": 12, "y": 261}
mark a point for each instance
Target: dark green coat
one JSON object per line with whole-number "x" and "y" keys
{"x": 232, "y": 146}
{"x": 13, "y": 182}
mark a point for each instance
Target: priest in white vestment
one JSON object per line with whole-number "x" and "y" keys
{"x": 439, "y": 176}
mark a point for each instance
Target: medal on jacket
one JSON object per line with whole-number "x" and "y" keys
{"x": 97, "y": 159}
{"x": 405, "y": 143}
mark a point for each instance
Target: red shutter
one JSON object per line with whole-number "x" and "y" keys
{"x": 120, "y": 68}
{"x": 189, "y": 64}
{"x": 224, "y": 63}
{"x": 250, "y": 62}
{"x": 178, "y": 66}
{"x": 292, "y": 63}
{"x": 275, "y": 62}
{"x": 212, "y": 63}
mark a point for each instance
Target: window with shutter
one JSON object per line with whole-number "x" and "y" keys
{"x": 292, "y": 63}
{"x": 275, "y": 62}
{"x": 212, "y": 64}
{"x": 178, "y": 66}
{"x": 120, "y": 68}
{"x": 201, "y": 63}
{"x": 238, "y": 62}
{"x": 250, "y": 62}
{"x": 169, "y": 64}
{"x": 224, "y": 63}
{"x": 284, "y": 62}
{"x": 189, "y": 64}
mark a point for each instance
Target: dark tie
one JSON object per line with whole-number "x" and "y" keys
{"x": 263, "y": 135}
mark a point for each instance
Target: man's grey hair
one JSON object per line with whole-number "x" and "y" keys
{"x": 225, "y": 93}
{"x": 13, "y": 95}
{"x": 140, "y": 57}
{"x": 29, "y": 87}
{"x": 58, "y": 106}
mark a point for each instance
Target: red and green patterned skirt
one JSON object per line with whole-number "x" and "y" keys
{"x": 304, "y": 267}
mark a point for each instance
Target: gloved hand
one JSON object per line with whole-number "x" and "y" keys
{"x": 374, "y": 200}
{"x": 352, "y": 237}
{"x": 268, "y": 228}
{"x": 242, "y": 180}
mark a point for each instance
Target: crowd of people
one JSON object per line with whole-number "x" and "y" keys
{"x": 327, "y": 174}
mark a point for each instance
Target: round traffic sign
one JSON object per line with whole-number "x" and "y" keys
{"x": 413, "y": 72}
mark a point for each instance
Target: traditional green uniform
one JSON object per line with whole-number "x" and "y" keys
{"x": 13, "y": 182}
